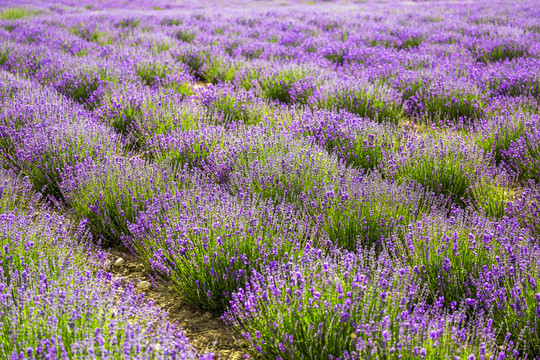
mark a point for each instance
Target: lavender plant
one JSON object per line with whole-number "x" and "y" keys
{"x": 447, "y": 166}
{"x": 373, "y": 103}
{"x": 362, "y": 214}
{"x": 357, "y": 142}
{"x": 291, "y": 86}
{"x": 349, "y": 306}
{"x": 55, "y": 305}
{"x": 15, "y": 13}
{"x": 207, "y": 243}
{"x": 110, "y": 194}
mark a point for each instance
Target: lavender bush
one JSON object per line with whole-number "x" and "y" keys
{"x": 55, "y": 304}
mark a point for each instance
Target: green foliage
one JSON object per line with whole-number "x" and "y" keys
{"x": 111, "y": 194}
{"x": 503, "y": 53}
{"x": 491, "y": 196}
{"x": 219, "y": 71}
{"x": 96, "y": 35}
{"x": 37, "y": 238}
{"x": 447, "y": 167}
{"x": 435, "y": 103}
{"x": 192, "y": 152}
{"x": 53, "y": 151}
{"x": 291, "y": 86}
{"x": 161, "y": 74}
{"x": 410, "y": 43}
{"x": 170, "y": 22}
{"x": 153, "y": 73}
{"x": 184, "y": 36}
{"x": 450, "y": 257}
{"x": 337, "y": 57}
{"x": 84, "y": 88}
{"x": 15, "y": 13}
{"x": 217, "y": 251}
{"x": 128, "y": 24}
{"x": 496, "y": 137}
{"x": 367, "y": 214}
{"x": 16, "y": 195}
{"x": 4, "y": 55}
{"x": 282, "y": 171}
{"x": 195, "y": 60}
{"x": 229, "y": 108}
{"x": 374, "y": 104}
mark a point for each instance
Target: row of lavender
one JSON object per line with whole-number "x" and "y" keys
{"x": 335, "y": 195}
{"x": 437, "y": 70}
{"x": 57, "y": 301}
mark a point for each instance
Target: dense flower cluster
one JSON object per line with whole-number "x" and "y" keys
{"x": 347, "y": 180}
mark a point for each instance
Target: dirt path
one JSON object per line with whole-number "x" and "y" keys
{"x": 206, "y": 332}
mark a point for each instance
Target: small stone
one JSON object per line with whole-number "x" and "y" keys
{"x": 207, "y": 315}
{"x": 119, "y": 262}
{"x": 140, "y": 267}
{"x": 144, "y": 285}
{"x": 132, "y": 266}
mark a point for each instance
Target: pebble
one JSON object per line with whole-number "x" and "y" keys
{"x": 207, "y": 315}
{"x": 144, "y": 285}
{"x": 119, "y": 262}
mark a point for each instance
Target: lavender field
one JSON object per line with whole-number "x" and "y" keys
{"x": 315, "y": 180}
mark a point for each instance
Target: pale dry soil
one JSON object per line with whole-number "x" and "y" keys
{"x": 206, "y": 332}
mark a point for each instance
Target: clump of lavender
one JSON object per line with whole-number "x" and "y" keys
{"x": 496, "y": 51}
{"x": 526, "y": 207}
{"x": 205, "y": 67}
{"x": 81, "y": 316}
{"x": 225, "y": 106}
{"x": 110, "y": 194}
{"x": 523, "y": 153}
{"x": 492, "y": 194}
{"x": 85, "y": 88}
{"x": 194, "y": 59}
{"x": 289, "y": 86}
{"x": 207, "y": 243}
{"x": 16, "y": 193}
{"x": 442, "y": 101}
{"x": 358, "y": 142}
{"x": 450, "y": 254}
{"x": 350, "y": 306}
{"x": 139, "y": 113}
{"x": 56, "y": 304}
{"x": 512, "y": 79}
{"x": 165, "y": 74}
{"x": 374, "y": 103}
{"x": 284, "y": 169}
{"x": 45, "y": 151}
{"x": 14, "y": 13}
{"x": 509, "y": 291}
{"x": 192, "y": 149}
{"x": 364, "y": 212}
{"x": 448, "y": 166}
{"x": 40, "y": 237}
{"x": 496, "y": 135}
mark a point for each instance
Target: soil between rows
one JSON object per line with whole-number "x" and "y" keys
{"x": 206, "y": 332}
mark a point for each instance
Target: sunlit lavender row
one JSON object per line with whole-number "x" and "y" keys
{"x": 336, "y": 180}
